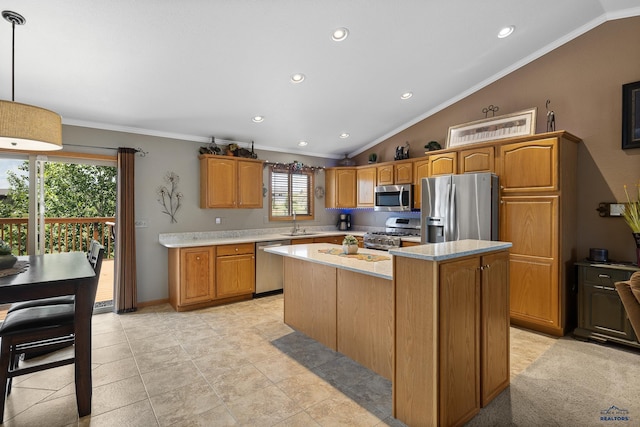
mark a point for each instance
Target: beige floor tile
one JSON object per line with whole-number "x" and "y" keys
{"x": 301, "y": 419}
{"x": 162, "y": 380}
{"x": 138, "y": 414}
{"x": 280, "y": 367}
{"x": 114, "y": 371}
{"x": 307, "y": 389}
{"x": 181, "y": 404}
{"x": 263, "y": 407}
{"x": 22, "y": 399}
{"x": 111, "y": 353}
{"x": 116, "y": 395}
{"x": 341, "y": 410}
{"x": 216, "y": 417}
{"x": 108, "y": 338}
{"x": 152, "y": 344}
{"x": 239, "y": 382}
{"x": 56, "y": 412}
{"x": 161, "y": 359}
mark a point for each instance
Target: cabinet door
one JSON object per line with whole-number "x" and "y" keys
{"x": 249, "y": 184}
{"x": 345, "y": 188}
{"x": 496, "y": 368}
{"x": 476, "y": 160}
{"x": 443, "y": 164}
{"x": 220, "y": 179}
{"x": 403, "y": 173}
{"x": 529, "y": 166}
{"x": 421, "y": 170}
{"x": 459, "y": 300}
{"x": 366, "y": 178}
{"x": 197, "y": 275}
{"x": 336, "y": 240}
{"x": 385, "y": 175}
{"x": 600, "y": 308}
{"x": 235, "y": 275}
{"x": 330, "y": 188}
{"x": 531, "y": 224}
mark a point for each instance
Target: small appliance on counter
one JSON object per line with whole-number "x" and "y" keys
{"x": 344, "y": 222}
{"x": 598, "y": 255}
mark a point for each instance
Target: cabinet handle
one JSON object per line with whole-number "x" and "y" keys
{"x": 236, "y": 249}
{"x": 604, "y": 276}
{"x": 198, "y": 258}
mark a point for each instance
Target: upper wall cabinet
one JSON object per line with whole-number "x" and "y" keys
{"x": 340, "y": 187}
{"x": 529, "y": 166}
{"x": 229, "y": 182}
{"x": 396, "y": 173}
{"x": 366, "y": 181}
{"x": 443, "y": 164}
{"x": 480, "y": 159}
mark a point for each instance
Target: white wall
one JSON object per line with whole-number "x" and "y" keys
{"x": 179, "y": 156}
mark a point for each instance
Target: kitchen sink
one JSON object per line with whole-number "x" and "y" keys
{"x": 300, "y": 233}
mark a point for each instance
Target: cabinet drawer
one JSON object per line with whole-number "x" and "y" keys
{"x": 242, "y": 248}
{"x": 605, "y": 276}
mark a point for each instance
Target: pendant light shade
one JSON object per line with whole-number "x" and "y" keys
{"x": 25, "y": 127}
{"x": 22, "y": 126}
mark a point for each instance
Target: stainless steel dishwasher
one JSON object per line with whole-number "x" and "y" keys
{"x": 269, "y": 267}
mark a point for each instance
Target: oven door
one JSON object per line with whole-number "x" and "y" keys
{"x": 393, "y": 198}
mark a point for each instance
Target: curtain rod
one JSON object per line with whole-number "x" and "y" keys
{"x": 139, "y": 150}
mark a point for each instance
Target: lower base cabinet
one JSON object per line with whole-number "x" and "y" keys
{"x": 210, "y": 275}
{"x": 451, "y": 337}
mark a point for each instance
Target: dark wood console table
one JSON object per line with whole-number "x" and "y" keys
{"x": 601, "y": 315}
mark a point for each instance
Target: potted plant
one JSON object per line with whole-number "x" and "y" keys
{"x": 7, "y": 260}
{"x": 350, "y": 244}
{"x": 631, "y": 215}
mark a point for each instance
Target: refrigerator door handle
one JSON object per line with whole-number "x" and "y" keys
{"x": 453, "y": 215}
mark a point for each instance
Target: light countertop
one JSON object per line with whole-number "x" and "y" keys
{"x": 311, "y": 252}
{"x": 230, "y": 237}
{"x": 450, "y": 250}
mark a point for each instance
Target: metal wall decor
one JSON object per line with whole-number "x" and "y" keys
{"x": 493, "y": 109}
{"x": 169, "y": 197}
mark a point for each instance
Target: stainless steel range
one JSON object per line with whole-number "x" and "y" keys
{"x": 396, "y": 228}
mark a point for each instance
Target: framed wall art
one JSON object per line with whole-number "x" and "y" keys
{"x": 631, "y": 115}
{"x": 499, "y": 127}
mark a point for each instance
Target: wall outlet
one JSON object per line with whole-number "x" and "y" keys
{"x": 141, "y": 223}
{"x": 218, "y": 220}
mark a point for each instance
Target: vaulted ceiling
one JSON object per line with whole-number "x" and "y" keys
{"x": 194, "y": 69}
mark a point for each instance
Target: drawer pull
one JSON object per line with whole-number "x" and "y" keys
{"x": 604, "y": 276}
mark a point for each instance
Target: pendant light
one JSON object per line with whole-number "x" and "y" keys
{"x": 22, "y": 126}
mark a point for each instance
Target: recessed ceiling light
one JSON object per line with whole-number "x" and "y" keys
{"x": 506, "y": 31}
{"x": 258, "y": 119}
{"x": 344, "y": 135}
{"x": 339, "y": 34}
{"x": 302, "y": 143}
{"x": 297, "y": 78}
{"x": 406, "y": 95}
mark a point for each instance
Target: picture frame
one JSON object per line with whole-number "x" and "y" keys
{"x": 511, "y": 125}
{"x": 631, "y": 115}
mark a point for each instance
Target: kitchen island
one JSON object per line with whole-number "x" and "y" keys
{"x": 344, "y": 302}
{"x": 436, "y": 316}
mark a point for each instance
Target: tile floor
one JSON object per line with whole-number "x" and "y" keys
{"x": 231, "y": 365}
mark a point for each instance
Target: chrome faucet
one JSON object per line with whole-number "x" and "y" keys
{"x": 296, "y": 227}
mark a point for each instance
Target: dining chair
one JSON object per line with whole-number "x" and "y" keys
{"x": 629, "y": 292}
{"x": 38, "y": 329}
{"x": 92, "y": 253}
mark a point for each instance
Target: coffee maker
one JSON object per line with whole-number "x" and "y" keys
{"x": 344, "y": 222}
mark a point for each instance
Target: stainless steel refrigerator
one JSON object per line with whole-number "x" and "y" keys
{"x": 456, "y": 207}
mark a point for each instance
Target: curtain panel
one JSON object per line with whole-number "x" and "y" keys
{"x": 125, "y": 245}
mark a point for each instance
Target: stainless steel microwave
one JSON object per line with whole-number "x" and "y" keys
{"x": 393, "y": 198}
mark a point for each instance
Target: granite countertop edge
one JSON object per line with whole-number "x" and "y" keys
{"x": 450, "y": 250}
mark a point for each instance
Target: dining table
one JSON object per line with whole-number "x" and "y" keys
{"x": 58, "y": 274}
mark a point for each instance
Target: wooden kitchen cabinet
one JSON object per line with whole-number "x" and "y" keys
{"x": 395, "y": 173}
{"x": 336, "y": 240}
{"x": 481, "y": 159}
{"x": 367, "y": 181}
{"x": 538, "y": 215}
{"x": 235, "y": 270}
{"x": 443, "y": 163}
{"x": 420, "y": 170}
{"x": 451, "y": 337}
{"x": 228, "y": 182}
{"x": 340, "y": 187}
{"x": 191, "y": 277}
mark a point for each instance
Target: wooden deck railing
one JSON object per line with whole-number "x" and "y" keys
{"x": 61, "y": 234}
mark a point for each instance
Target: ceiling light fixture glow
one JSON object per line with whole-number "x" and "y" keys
{"x": 258, "y": 119}
{"x": 22, "y": 126}
{"x": 344, "y": 135}
{"x": 302, "y": 143}
{"x": 297, "y": 78}
{"x": 406, "y": 95}
{"x": 339, "y": 34}
{"x": 506, "y": 31}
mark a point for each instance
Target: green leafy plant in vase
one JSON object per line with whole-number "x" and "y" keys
{"x": 7, "y": 260}
{"x": 631, "y": 215}
{"x": 350, "y": 244}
